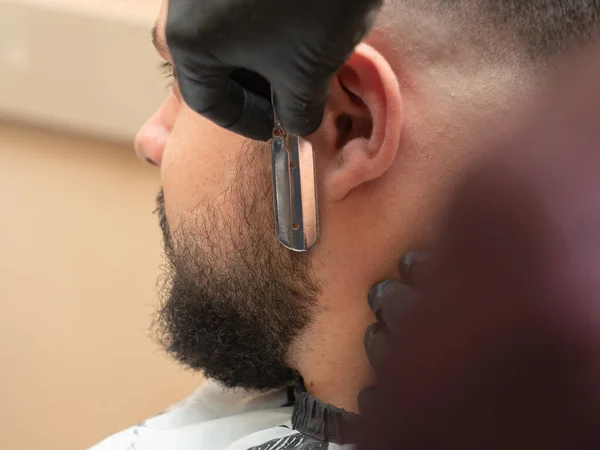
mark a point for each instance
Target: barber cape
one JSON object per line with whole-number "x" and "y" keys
{"x": 215, "y": 418}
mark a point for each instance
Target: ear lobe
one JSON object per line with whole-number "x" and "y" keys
{"x": 364, "y": 115}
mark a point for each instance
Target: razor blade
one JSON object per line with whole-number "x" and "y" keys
{"x": 294, "y": 189}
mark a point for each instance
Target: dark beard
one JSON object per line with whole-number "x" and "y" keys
{"x": 233, "y": 299}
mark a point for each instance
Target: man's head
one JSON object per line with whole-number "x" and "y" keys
{"x": 415, "y": 104}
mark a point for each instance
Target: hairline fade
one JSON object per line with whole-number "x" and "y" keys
{"x": 536, "y": 29}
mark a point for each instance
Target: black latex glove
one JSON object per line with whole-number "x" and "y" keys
{"x": 227, "y": 53}
{"x": 391, "y": 302}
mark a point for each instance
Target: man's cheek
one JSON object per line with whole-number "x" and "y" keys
{"x": 199, "y": 164}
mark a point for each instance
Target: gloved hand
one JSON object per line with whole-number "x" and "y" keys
{"x": 227, "y": 54}
{"x": 391, "y": 302}
{"x": 501, "y": 349}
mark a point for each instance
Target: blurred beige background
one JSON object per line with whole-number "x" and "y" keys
{"x": 79, "y": 246}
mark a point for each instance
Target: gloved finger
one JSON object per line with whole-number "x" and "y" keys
{"x": 219, "y": 98}
{"x": 412, "y": 265}
{"x": 376, "y": 344}
{"x": 301, "y": 112}
{"x": 391, "y": 302}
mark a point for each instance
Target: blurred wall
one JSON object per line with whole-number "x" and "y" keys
{"x": 79, "y": 246}
{"x": 80, "y": 65}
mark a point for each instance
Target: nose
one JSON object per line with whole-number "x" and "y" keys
{"x": 152, "y": 138}
{"x": 150, "y": 143}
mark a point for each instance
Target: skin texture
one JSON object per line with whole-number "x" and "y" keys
{"x": 396, "y": 135}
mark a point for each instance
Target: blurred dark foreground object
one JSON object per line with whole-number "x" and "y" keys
{"x": 502, "y": 350}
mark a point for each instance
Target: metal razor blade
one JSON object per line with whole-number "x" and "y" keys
{"x": 294, "y": 189}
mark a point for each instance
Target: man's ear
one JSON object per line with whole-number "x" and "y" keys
{"x": 359, "y": 137}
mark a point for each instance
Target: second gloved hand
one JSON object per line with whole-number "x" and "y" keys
{"x": 392, "y": 302}
{"x": 227, "y": 54}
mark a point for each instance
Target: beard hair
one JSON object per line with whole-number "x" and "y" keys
{"x": 232, "y": 299}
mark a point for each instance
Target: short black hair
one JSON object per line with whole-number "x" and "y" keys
{"x": 541, "y": 28}
{"x": 545, "y": 27}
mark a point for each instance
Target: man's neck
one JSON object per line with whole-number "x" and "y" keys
{"x": 331, "y": 355}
